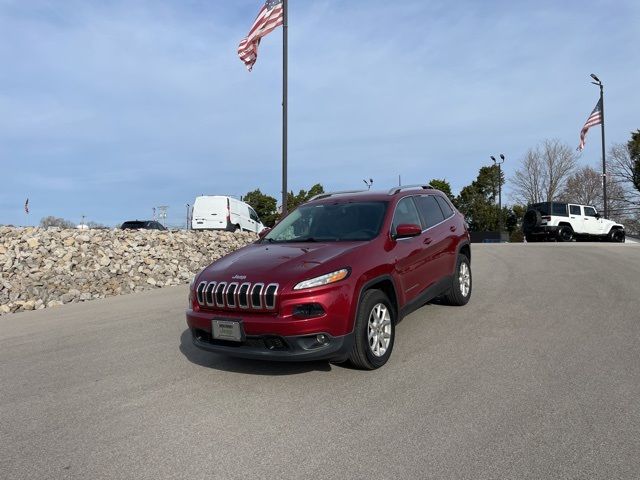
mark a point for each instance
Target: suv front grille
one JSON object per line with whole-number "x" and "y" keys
{"x": 256, "y": 296}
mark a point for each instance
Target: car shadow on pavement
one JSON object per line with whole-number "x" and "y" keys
{"x": 241, "y": 365}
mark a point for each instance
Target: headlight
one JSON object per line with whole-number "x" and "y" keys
{"x": 324, "y": 279}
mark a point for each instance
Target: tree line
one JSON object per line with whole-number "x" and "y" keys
{"x": 547, "y": 172}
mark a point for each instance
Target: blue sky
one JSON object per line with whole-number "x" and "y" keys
{"x": 108, "y": 108}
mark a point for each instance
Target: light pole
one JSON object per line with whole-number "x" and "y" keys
{"x": 604, "y": 164}
{"x": 499, "y": 164}
{"x": 188, "y": 216}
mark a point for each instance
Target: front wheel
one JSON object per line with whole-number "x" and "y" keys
{"x": 374, "y": 331}
{"x": 616, "y": 235}
{"x": 460, "y": 291}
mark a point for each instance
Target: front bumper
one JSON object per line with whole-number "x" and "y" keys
{"x": 278, "y": 348}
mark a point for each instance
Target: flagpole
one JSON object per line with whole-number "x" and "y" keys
{"x": 604, "y": 163}
{"x": 284, "y": 104}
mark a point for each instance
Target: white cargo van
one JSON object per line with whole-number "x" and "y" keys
{"x": 217, "y": 212}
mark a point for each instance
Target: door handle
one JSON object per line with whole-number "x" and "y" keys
{"x": 452, "y": 228}
{"x": 427, "y": 240}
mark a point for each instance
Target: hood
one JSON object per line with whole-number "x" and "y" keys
{"x": 279, "y": 263}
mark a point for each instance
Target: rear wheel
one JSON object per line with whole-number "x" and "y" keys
{"x": 374, "y": 331}
{"x": 565, "y": 234}
{"x": 461, "y": 283}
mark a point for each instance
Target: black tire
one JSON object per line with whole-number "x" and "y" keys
{"x": 455, "y": 296}
{"x": 361, "y": 355}
{"x": 531, "y": 219}
{"x": 565, "y": 234}
{"x": 236, "y": 228}
{"x": 616, "y": 235}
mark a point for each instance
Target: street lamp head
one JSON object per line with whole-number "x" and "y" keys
{"x": 502, "y": 157}
{"x": 595, "y": 78}
{"x": 493, "y": 158}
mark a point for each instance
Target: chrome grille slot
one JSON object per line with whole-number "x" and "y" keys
{"x": 200, "y": 292}
{"x": 256, "y": 295}
{"x": 243, "y": 295}
{"x": 219, "y": 294}
{"x": 230, "y": 295}
{"x": 233, "y": 295}
{"x": 270, "y": 296}
{"x": 208, "y": 294}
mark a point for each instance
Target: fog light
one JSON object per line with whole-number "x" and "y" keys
{"x": 321, "y": 339}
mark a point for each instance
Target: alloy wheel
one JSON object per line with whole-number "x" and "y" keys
{"x": 379, "y": 329}
{"x": 464, "y": 278}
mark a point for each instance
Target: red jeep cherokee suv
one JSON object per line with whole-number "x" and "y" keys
{"x": 334, "y": 277}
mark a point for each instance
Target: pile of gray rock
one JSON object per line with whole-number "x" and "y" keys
{"x": 42, "y": 268}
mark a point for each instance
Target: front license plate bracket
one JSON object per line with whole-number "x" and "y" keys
{"x": 226, "y": 329}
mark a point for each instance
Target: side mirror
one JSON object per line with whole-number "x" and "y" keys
{"x": 263, "y": 232}
{"x": 597, "y": 215}
{"x": 406, "y": 230}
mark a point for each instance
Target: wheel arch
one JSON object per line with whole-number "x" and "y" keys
{"x": 385, "y": 284}
{"x": 465, "y": 249}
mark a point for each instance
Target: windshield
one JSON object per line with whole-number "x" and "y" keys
{"x": 356, "y": 221}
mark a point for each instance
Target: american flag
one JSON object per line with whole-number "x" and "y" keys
{"x": 26, "y": 206}
{"x": 594, "y": 119}
{"x": 271, "y": 16}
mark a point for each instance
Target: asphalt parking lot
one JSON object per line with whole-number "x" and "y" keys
{"x": 538, "y": 377}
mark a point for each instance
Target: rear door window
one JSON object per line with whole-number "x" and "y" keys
{"x": 444, "y": 206}
{"x": 430, "y": 210}
{"x": 575, "y": 209}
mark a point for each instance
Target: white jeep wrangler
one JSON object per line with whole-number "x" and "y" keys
{"x": 567, "y": 221}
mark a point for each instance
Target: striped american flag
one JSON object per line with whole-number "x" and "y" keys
{"x": 271, "y": 16}
{"x": 594, "y": 119}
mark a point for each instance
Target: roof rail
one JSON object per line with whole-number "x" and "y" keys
{"x": 395, "y": 190}
{"x": 330, "y": 194}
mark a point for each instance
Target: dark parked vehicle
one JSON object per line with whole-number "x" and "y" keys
{"x": 332, "y": 279}
{"x": 142, "y": 225}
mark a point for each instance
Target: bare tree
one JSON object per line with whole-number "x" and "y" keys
{"x": 584, "y": 187}
{"x": 51, "y": 221}
{"x": 527, "y": 181}
{"x": 621, "y": 170}
{"x": 544, "y": 172}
